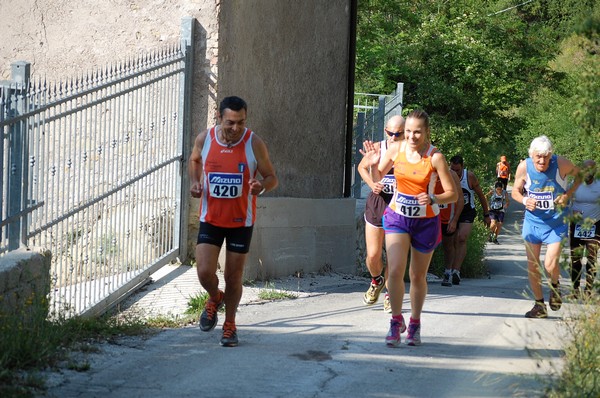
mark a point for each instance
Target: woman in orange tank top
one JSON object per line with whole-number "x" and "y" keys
{"x": 411, "y": 222}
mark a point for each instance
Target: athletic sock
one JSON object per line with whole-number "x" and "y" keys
{"x": 415, "y": 321}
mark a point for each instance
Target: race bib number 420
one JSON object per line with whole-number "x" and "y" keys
{"x": 225, "y": 185}
{"x": 543, "y": 200}
{"x": 408, "y": 206}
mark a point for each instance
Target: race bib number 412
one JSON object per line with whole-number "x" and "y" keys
{"x": 408, "y": 206}
{"x": 543, "y": 200}
{"x": 225, "y": 185}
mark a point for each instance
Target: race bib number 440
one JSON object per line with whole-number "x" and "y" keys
{"x": 225, "y": 185}
{"x": 543, "y": 200}
{"x": 408, "y": 206}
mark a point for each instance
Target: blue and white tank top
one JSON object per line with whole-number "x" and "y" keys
{"x": 545, "y": 187}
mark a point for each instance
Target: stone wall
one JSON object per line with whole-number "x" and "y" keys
{"x": 24, "y": 280}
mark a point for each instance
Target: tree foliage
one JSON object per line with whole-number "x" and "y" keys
{"x": 490, "y": 80}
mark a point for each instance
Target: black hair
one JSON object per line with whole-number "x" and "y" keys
{"x": 498, "y": 184}
{"x": 234, "y": 103}
{"x": 457, "y": 159}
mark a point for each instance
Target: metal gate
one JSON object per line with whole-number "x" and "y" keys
{"x": 92, "y": 171}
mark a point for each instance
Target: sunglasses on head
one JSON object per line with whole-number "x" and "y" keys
{"x": 391, "y": 133}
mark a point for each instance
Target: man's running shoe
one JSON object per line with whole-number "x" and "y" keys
{"x": 372, "y": 295}
{"x": 446, "y": 280}
{"x": 555, "y": 301}
{"x": 229, "y": 338}
{"x": 414, "y": 334}
{"x": 387, "y": 306}
{"x": 209, "y": 319}
{"x": 538, "y": 311}
{"x": 396, "y": 328}
{"x": 456, "y": 277}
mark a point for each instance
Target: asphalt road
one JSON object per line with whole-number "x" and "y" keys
{"x": 476, "y": 343}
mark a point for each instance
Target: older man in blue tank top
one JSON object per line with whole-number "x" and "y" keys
{"x": 544, "y": 177}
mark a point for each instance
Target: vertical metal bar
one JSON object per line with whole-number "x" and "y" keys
{"x": 3, "y": 110}
{"x": 380, "y": 118}
{"x": 20, "y": 74}
{"x": 360, "y": 128}
{"x": 184, "y": 140}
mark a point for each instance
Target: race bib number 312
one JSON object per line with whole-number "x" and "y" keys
{"x": 225, "y": 185}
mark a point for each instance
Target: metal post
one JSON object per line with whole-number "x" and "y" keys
{"x": 400, "y": 96}
{"x": 380, "y": 119}
{"x": 18, "y": 152}
{"x": 185, "y": 98}
{"x": 360, "y": 127}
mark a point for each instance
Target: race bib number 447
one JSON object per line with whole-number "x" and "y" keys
{"x": 408, "y": 206}
{"x": 225, "y": 185}
{"x": 543, "y": 200}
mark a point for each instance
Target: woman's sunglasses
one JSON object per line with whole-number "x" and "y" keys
{"x": 390, "y": 133}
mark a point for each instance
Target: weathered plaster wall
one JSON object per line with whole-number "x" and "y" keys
{"x": 64, "y": 39}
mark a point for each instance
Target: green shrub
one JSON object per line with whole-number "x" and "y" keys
{"x": 580, "y": 376}
{"x": 473, "y": 265}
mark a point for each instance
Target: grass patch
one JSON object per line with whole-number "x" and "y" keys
{"x": 32, "y": 340}
{"x": 270, "y": 293}
{"x": 196, "y": 304}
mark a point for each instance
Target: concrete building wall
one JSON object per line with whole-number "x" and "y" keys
{"x": 289, "y": 61}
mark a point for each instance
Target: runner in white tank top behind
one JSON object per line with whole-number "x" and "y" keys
{"x": 379, "y": 197}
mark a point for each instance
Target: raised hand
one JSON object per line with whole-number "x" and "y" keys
{"x": 370, "y": 152}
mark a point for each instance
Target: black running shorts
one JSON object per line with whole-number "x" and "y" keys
{"x": 238, "y": 239}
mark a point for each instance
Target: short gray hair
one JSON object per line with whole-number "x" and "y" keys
{"x": 541, "y": 145}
